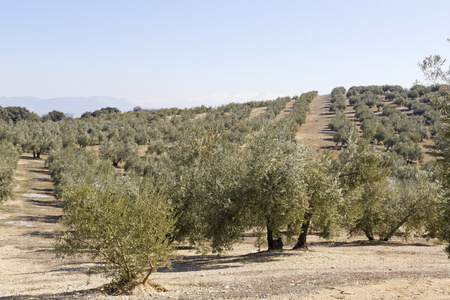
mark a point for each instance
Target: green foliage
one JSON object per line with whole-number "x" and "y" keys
{"x": 124, "y": 224}
{"x": 323, "y": 197}
{"x": 363, "y": 175}
{"x": 120, "y": 220}
{"x": 203, "y": 176}
{"x": 101, "y": 112}
{"x": 9, "y": 156}
{"x": 301, "y": 107}
{"x": 54, "y": 116}
{"x": 71, "y": 165}
{"x": 276, "y": 190}
{"x": 412, "y": 205}
{"x": 433, "y": 68}
{"x": 346, "y": 131}
{"x": 39, "y": 137}
{"x": 117, "y": 151}
{"x": 338, "y": 100}
{"x": 16, "y": 114}
{"x": 224, "y": 172}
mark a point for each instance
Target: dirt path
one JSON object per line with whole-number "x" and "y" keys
{"x": 315, "y": 132}
{"x": 27, "y": 224}
{"x": 287, "y": 109}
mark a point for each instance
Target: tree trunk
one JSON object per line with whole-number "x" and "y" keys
{"x": 394, "y": 229}
{"x": 273, "y": 244}
{"x": 116, "y": 163}
{"x": 149, "y": 272}
{"x": 368, "y": 234}
{"x": 301, "y": 242}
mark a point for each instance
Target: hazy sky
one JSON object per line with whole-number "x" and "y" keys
{"x": 186, "y": 53}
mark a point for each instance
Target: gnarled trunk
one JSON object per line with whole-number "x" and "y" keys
{"x": 301, "y": 242}
{"x": 273, "y": 244}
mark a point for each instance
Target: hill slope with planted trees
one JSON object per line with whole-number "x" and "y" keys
{"x": 137, "y": 184}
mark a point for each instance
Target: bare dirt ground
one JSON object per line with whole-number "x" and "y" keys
{"x": 315, "y": 133}
{"x": 257, "y": 111}
{"x": 287, "y": 109}
{"x": 342, "y": 269}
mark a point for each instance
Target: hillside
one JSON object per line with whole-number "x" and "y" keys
{"x": 240, "y": 187}
{"x": 315, "y": 133}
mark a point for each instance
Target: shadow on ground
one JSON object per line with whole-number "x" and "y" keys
{"x": 47, "y": 203}
{"x": 190, "y": 263}
{"x": 43, "y": 219}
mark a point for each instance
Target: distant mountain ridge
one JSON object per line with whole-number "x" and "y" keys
{"x": 74, "y": 106}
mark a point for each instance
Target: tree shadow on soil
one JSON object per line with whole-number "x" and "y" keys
{"x": 45, "y": 191}
{"x": 45, "y": 235}
{"x": 81, "y": 294}
{"x": 47, "y": 203}
{"x": 38, "y": 170}
{"x": 42, "y": 219}
{"x": 365, "y": 243}
{"x": 190, "y": 263}
{"x": 26, "y": 157}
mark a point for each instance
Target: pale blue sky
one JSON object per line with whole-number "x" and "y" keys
{"x": 187, "y": 53}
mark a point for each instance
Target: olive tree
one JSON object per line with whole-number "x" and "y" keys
{"x": 117, "y": 151}
{"x": 323, "y": 195}
{"x": 433, "y": 68}
{"x": 363, "y": 176}
{"x": 203, "y": 174}
{"x": 276, "y": 191}
{"x": 125, "y": 225}
{"x": 412, "y": 205}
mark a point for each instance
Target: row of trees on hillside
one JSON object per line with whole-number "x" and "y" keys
{"x": 425, "y": 190}
{"x": 388, "y": 125}
{"x": 338, "y": 103}
{"x": 8, "y": 164}
{"x": 125, "y": 132}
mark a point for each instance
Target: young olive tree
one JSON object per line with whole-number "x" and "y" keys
{"x": 125, "y": 225}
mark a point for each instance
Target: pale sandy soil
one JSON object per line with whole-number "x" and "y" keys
{"x": 343, "y": 269}
{"x": 256, "y": 112}
{"x": 287, "y": 109}
{"x": 315, "y": 133}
